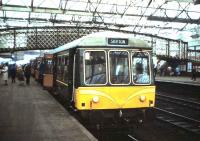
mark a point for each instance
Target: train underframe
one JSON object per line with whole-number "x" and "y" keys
{"x": 135, "y": 116}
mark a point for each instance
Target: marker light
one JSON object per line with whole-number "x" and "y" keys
{"x": 142, "y": 98}
{"x": 151, "y": 103}
{"x": 95, "y": 99}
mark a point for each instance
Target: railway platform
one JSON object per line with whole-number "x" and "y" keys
{"x": 178, "y": 79}
{"x": 179, "y": 86}
{"x": 29, "y": 113}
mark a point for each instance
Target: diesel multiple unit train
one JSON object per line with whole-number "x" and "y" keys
{"x": 105, "y": 73}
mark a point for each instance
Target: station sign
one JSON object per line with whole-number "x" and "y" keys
{"x": 117, "y": 41}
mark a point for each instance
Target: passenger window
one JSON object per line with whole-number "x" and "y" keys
{"x": 60, "y": 68}
{"x": 140, "y": 68}
{"x": 119, "y": 67}
{"x": 66, "y": 69}
{"x": 95, "y": 67}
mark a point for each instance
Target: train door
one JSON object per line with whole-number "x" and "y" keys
{"x": 48, "y": 74}
{"x": 62, "y": 74}
{"x": 77, "y": 72}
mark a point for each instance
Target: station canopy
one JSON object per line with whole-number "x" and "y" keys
{"x": 168, "y": 18}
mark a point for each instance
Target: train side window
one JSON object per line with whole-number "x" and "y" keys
{"x": 66, "y": 58}
{"x": 62, "y": 68}
{"x": 141, "y": 68}
{"x": 95, "y": 67}
{"x": 59, "y": 73}
{"x": 119, "y": 67}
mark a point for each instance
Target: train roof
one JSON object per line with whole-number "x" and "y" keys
{"x": 105, "y": 39}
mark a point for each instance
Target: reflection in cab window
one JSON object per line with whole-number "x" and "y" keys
{"x": 141, "y": 68}
{"x": 119, "y": 67}
{"x": 95, "y": 67}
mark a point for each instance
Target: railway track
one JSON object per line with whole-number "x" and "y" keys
{"x": 116, "y": 133}
{"x": 183, "y": 122}
{"x": 179, "y": 101}
{"x": 129, "y": 136}
{"x": 132, "y": 138}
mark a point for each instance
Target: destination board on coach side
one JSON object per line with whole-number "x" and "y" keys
{"x": 117, "y": 41}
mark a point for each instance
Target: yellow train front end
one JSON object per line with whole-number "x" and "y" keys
{"x": 98, "y": 98}
{"x": 134, "y": 103}
{"x": 115, "y": 83}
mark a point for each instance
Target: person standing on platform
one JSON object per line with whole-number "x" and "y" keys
{"x": 5, "y": 73}
{"x": 27, "y": 73}
{"x": 194, "y": 74}
{"x": 13, "y": 72}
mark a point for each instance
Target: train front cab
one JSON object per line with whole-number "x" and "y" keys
{"x": 114, "y": 82}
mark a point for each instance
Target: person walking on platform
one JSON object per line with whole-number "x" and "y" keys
{"x": 27, "y": 73}
{"x": 194, "y": 74}
{"x": 13, "y": 72}
{"x": 5, "y": 73}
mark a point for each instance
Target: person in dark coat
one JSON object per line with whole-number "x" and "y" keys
{"x": 27, "y": 73}
{"x": 194, "y": 74}
{"x": 13, "y": 72}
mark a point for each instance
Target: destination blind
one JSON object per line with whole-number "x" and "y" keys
{"x": 117, "y": 41}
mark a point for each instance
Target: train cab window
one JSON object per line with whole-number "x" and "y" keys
{"x": 141, "y": 68}
{"x": 119, "y": 67}
{"x": 95, "y": 67}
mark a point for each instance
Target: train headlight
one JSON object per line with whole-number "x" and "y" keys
{"x": 142, "y": 98}
{"x": 95, "y": 99}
